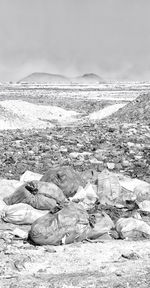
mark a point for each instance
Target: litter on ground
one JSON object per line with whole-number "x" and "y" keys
{"x": 61, "y": 205}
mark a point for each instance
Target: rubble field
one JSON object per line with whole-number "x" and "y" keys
{"x": 88, "y": 143}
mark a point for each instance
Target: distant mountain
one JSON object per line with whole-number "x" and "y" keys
{"x": 89, "y": 78}
{"x": 48, "y": 78}
{"x": 45, "y": 78}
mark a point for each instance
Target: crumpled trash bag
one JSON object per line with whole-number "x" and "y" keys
{"x": 101, "y": 224}
{"x": 129, "y": 183}
{"x": 66, "y": 226}
{"x": 86, "y": 196}
{"x": 131, "y": 187}
{"x": 40, "y": 195}
{"x": 132, "y": 228}
{"x": 30, "y": 176}
{"x": 142, "y": 192}
{"x": 65, "y": 178}
{"x": 109, "y": 188}
{"x": 21, "y": 214}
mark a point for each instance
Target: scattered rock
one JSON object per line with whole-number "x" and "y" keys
{"x": 110, "y": 166}
{"x": 130, "y": 256}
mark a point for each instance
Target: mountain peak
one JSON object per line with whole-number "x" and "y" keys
{"x": 39, "y": 77}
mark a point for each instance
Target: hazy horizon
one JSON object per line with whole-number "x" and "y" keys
{"x": 72, "y": 37}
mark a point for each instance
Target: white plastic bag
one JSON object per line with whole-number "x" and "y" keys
{"x": 86, "y": 196}
{"x": 129, "y": 227}
{"x": 21, "y": 214}
{"x": 130, "y": 183}
{"x": 30, "y": 176}
{"x": 109, "y": 188}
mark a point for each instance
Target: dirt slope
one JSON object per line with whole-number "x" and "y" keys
{"x": 135, "y": 111}
{"x": 17, "y": 114}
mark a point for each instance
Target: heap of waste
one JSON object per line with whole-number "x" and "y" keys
{"x": 137, "y": 110}
{"x": 64, "y": 207}
{"x": 120, "y": 142}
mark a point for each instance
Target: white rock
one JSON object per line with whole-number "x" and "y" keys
{"x": 110, "y": 166}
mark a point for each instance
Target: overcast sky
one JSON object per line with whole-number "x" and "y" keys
{"x": 109, "y": 37}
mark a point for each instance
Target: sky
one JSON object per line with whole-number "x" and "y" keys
{"x": 72, "y": 37}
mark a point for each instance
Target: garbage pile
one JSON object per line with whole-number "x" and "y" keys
{"x": 135, "y": 111}
{"x": 119, "y": 147}
{"x": 63, "y": 207}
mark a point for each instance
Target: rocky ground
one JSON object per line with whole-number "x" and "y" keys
{"x": 112, "y": 264}
{"x": 137, "y": 111}
{"x": 122, "y": 148}
{"x": 121, "y": 143}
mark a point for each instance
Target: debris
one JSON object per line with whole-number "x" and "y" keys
{"x": 19, "y": 265}
{"x": 137, "y": 110}
{"x": 30, "y": 176}
{"x": 101, "y": 224}
{"x": 130, "y": 256}
{"x": 21, "y": 213}
{"x": 40, "y": 195}
{"x": 87, "y": 148}
{"x": 20, "y": 233}
{"x": 132, "y": 228}
{"x": 110, "y": 166}
{"x": 49, "y": 250}
{"x": 142, "y": 192}
{"x": 86, "y": 196}
{"x": 144, "y": 206}
{"x": 109, "y": 188}
{"x": 7, "y": 187}
{"x": 71, "y": 222}
{"x": 65, "y": 178}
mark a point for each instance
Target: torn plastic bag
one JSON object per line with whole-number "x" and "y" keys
{"x": 82, "y": 193}
{"x": 142, "y": 192}
{"x": 86, "y": 196}
{"x": 130, "y": 183}
{"x": 65, "y": 178}
{"x": 21, "y": 214}
{"x": 40, "y": 195}
{"x": 134, "y": 188}
{"x": 101, "y": 224}
{"x": 132, "y": 228}
{"x": 66, "y": 226}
